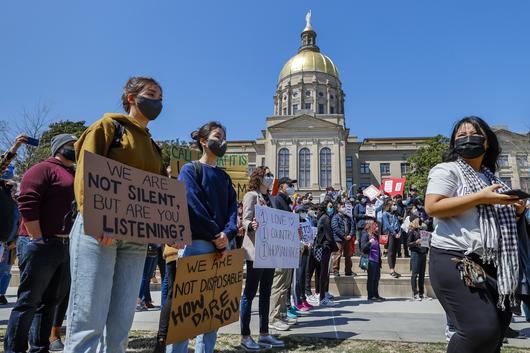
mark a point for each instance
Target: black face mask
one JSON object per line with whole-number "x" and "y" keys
{"x": 69, "y": 154}
{"x": 470, "y": 147}
{"x": 150, "y": 108}
{"x": 218, "y": 147}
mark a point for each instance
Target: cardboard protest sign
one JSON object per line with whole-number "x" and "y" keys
{"x": 277, "y": 241}
{"x": 181, "y": 155}
{"x": 393, "y": 186}
{"x": 308, "y": 233}
{"x": 206, "y": 294}
{"x": 235, "y": 165}
{"x": 371, "y": 192}
{"x": 130, "y": 204}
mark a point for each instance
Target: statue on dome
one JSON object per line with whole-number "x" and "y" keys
{"x": 308, "y": 20}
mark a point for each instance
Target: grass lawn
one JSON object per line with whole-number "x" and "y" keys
{"x": 143, "y": 342}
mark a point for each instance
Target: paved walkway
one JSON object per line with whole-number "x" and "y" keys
{"x": 396, "y": 319}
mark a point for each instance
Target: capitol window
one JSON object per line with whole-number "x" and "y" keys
{"x": 325, "y": 167}
{"x": 295, "y": 108}
{"x": 307, "y": 93}
{"x": 304, "y": 168}
{"x": 332, "y": 110}
{"x": 321, "y": 109}
{"x": 295, "y": 93}
{"x": 365, "y": 168}
{"x": 307, "y": 106}
{"x": 321, "y": 94}
{"x": 385, "y": 168}
{"x": 283, "y": 163}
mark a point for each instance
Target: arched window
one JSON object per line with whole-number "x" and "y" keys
{"x": 283, "y": 163}
{"x": 325, "y": 167}
{"x": 304, "y": 168}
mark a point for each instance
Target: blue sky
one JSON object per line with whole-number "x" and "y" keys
{"x": 409, "y": 68}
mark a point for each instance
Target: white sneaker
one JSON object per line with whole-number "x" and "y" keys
{"x": 448, "y": 333}
{"x": 279, "y": 325}
{"x": 313, "y": 299}
{"x": 327, "y": 302}
{"x": 417, "y": 298}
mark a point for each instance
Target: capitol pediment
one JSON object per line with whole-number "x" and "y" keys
{"x": 304, "y": 122}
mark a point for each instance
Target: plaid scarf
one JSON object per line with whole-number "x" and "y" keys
{"x": 498, "y": 229}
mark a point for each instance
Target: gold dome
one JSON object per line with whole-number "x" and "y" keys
{"x": 308, "y": 60}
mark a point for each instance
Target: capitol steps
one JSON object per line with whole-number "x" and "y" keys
{"x": 345, "y": 286}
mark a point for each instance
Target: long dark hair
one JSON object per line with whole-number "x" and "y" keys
{"x": 493, "y": 150}
{"x": 204, "y": 131}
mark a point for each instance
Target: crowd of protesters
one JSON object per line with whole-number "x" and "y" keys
{"x": 476, "y": 237}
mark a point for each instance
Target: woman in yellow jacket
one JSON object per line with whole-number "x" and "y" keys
{"x": 106, "y": 273}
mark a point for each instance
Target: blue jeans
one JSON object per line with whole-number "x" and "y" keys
{"x": 149, "y": 270}
{"x": 418, "y": 262}
{"x": 105, "y": 284}
{"x": 5, "y": 269}
{"x": 261, "y": 277}
{"x": 204, "y": 343}
{"x": 165, "y": 287}
{"x": 22, "y": 244}
{"x": 43, "y": 282}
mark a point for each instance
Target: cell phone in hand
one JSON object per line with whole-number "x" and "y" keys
{"x": 32, "y": 141}
{"x": 517, "y": 192}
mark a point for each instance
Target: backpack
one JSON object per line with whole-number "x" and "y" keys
{"x": 7, "y": 209}
{"x": 119, "y": 130}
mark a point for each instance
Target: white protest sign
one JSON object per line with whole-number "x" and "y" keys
{"x": 370, "y": 211}
{"x": 308, "y": 234}
{"x": 425, "y": 239}
{"x": 371, "y": 192}
{"x": 277, "y": 241}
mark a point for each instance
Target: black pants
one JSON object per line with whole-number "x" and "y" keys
{"x": 301, "y": 277}
{"x": 261, "y": 277}
{"x": 402, "y": 241}
{"x": 44, "y": 282}
{"x": 418, "y": 262}
{"x": 323, "y": 269}
{"x": 374, "y": 275}
{"x": 311, "y": 269}
{"x": 60, "y": 309}
{"x": 165, "y": 312}
{"x": 393, "y": 245}
{"x": 480, "y": 325}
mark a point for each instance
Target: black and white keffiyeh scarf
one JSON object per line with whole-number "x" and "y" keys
{"x": 498, "y": 229}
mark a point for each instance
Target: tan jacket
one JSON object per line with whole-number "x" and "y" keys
{"x": 250, "y": 200}
{"x": 136, "y": 148}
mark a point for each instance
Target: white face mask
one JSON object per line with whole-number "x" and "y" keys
{"x": 290, "y": 191}
{"x": 267, "y": 181}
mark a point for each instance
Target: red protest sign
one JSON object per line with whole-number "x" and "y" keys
{"x": 393, "y": 186}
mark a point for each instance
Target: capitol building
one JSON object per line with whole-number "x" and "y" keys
{"x": 307, "y": 137}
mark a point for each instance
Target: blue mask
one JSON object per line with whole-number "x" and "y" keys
{"x": 330, "y": 211}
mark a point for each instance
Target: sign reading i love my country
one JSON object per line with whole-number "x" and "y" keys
{"x": 277, "y": 239}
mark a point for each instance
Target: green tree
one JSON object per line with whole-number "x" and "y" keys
{"x": 34, "y": 155}
{"x": 424, "y": 159}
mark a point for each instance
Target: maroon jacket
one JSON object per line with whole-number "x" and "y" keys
{"x": 46, "y": 195}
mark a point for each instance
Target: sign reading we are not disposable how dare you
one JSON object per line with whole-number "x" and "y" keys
{"x": 277, "y": 240}
{"x": 206, "y": 294}
{"x": 126, "y": 203}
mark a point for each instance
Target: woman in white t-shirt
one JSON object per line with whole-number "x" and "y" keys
{"x": 473, "y": 220}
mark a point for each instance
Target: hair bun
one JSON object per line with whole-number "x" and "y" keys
{"x": 195, "y": 135}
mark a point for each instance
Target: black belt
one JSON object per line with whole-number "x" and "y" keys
{"x": 65, "y": 241}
